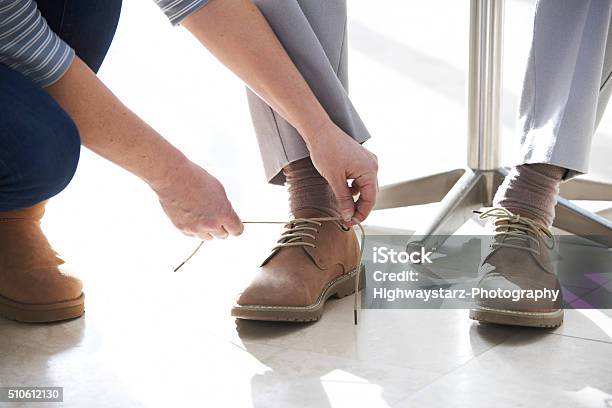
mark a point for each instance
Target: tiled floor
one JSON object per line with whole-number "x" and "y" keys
{"x": 153, "y": 338}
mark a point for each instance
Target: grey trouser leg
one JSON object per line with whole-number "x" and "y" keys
{"x": 314, "y": 34}
{"x": 567, "y": 82}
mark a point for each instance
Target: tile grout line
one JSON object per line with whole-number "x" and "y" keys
{"x": 454, "y": 369}
{"x": 487, "y": 351}
{"x": 579, "y": 338}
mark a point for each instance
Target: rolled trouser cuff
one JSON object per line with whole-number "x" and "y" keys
{"x": 541, "y": 146}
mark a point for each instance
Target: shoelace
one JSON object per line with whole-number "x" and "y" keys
{"x": 516, "y": 229}
{"x": 295, "y": 232}
{"x": 293, "y": 236}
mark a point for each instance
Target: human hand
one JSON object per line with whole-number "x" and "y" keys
{"x": 340, "y": 158}
{"x": 197, "y": 205}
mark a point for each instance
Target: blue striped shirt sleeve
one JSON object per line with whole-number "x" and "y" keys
{"x": 178, "y": 10}
{"x": 28, "y": 45}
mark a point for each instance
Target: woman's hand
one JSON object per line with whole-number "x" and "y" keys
{"x": 339, "y": 158}
{"x": 197, "y": 205}
{"x": 193, "y": 199}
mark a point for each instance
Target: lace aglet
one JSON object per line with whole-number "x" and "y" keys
{"x": 179, "y": 267}
{"x": 355, "y": 316}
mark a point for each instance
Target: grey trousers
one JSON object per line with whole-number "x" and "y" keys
{"x": 314, "y": 34}
{"x": 567, "y": 82}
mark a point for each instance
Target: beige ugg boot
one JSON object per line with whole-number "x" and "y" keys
{"x": 34, "y": 285}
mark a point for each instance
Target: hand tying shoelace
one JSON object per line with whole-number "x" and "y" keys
{"x": 293, "y": 236}
{"x": 510, "y": 227}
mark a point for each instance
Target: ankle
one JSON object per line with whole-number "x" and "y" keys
{"x": 531, "y": 190}
{"x": 308, "y": 189}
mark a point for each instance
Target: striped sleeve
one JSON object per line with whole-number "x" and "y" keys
{"x": 29, "y": 46}
{"x": 178, "y": 10}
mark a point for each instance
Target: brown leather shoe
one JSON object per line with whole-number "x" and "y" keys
{"x": 519, "y": 260}
{"x": 34, "y": 287}
{"x": 312, "y": 262}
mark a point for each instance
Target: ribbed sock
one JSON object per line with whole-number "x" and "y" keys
{"x": 307, "y": 188}
{"x": 531, "y": 190}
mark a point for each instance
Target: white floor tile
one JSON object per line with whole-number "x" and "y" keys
{"x": 529, "y": 369}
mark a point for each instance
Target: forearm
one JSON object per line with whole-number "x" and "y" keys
{"x": 236, "y": 32}
{"x": 111, "y": 130}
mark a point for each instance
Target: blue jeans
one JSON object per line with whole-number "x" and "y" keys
{"x": 39, "y": 142}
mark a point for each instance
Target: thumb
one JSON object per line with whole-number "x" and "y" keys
{"x": 344, "y": 198}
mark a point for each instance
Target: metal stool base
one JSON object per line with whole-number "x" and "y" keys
{"x": 461, "y": 191}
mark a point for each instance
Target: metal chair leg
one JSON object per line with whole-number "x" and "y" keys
{"x": 425, "y": 190}
{"x": 457, "y": 206}
{"x": 581, "y": 189}
{"x": 571, "y": 218}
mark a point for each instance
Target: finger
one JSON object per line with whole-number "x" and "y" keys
{"x": 220, "y": 233}
{"x": 366, "y": 201}
{"x": 344, "y": 198}
{"x": 234, "y": 226}
{"x": 206, "y": 236}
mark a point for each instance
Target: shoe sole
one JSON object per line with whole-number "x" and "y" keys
{"x": 340, "y": 287}
{"x": 517, "y": 318}
{"x": 44, "y": 313}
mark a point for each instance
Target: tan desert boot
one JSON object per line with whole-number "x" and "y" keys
{"x": 34, "y": 287}
{"x": 312, "y": 262}
{"x": 519, "y": 260}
